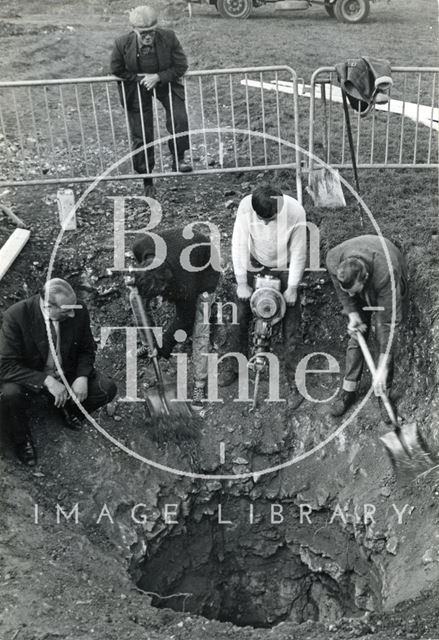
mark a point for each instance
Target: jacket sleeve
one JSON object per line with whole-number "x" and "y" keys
{"x": 384, "y": 317}
{"x": 12, "y": 368}
{"x": 117, "y": 64}
{"x": 348, "y": 302}
{"x": 86, "y": 349}
{"x": 179, "y": 63}
{"x": 297, "y": 249}
{"x": 240, "y": 245}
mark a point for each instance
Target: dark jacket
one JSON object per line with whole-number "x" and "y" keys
{"x": 24, "y": 345}
{"x": 365, "y": 81}
{"x": 185, "y": 286}
{"x": 171, "y": 59}
{"x": 378, "y": 289}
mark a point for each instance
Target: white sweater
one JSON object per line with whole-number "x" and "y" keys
{"x": 279, "y": 243}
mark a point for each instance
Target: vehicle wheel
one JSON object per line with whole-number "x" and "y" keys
{"x": 329, "y": 9}
{"x": 235, "y": 8}
{"x": 351, "y": 11}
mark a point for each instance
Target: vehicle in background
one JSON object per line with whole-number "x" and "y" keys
{"x": 350, "y": 11}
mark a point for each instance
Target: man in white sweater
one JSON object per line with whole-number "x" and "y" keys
{"x": 269, "y": 237}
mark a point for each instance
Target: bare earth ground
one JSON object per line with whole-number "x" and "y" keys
{"x": 67, "y": 581}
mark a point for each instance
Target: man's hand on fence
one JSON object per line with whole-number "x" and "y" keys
{"x": 244, "y": 291}
{"x": 150, "y": 80}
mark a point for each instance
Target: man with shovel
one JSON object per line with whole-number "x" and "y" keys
{"x": 187, "y": 274}
{"x": 360, "y": 272}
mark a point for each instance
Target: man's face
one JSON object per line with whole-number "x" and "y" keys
{"x": 146, "y": 35}
{"x": 58, "y": 306}
{"x": 357, "y": 287}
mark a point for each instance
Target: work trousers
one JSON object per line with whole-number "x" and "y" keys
{"x": 141, "y": 123}
{"x": 354, "y": 356}
{"x": 355, "y": 361}
{"x": 18, "y": 401}
{"x": 201, "y": 336}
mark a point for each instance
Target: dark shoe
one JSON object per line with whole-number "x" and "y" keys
{"x": 227, "y": 376}
{"x": 384, "y": 415}
{"x": 148, "y": 188}
{"x": 182, "y": 166}
{"x": 295, "y": 398}
{"x": 198, "y": 398}
{"x": 342, "y": 404}
{"x": 26, "y": 453}
{"x": 71, "y": 421}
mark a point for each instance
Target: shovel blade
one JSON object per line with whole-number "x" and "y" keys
{"x": 325, "y": 189}
{"x": 407, "y": 450}
{"x": 162, "y": 403}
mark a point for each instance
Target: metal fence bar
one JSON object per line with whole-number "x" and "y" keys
{"x": 232, "y": 113}
{"x": 49, "y": 126}
{"x": 388, "y": 128}
{"x": 127, "y": 123}
{"x": 191, "y": 155}
{"x": 5, "y": 138}
{"x": 157, "y": 121}
{"x": 401, "y": 140}
{"x": 264, "y": 130}
{"x": 328, "y": 142}
{"x": 174, "y": 139}
{"x": 95, "y": 116}
{"x": 66, "y": 129}
{"x": 220, "y": 143}
{"x": 203, "y": 121}
{"x": 430, "y": 137}
{"x": 142, "y": 127}
{"x": 81, "y": 129}
{"x": 248, "y": 119}
{"x": 35, "y": 128}
{"x": 113, "y": 133}
{"x": 372, "y": 141}
{"x": 417, "y": 119}
{"x": 278, "y": 116}
{"x": 19, "y": 131}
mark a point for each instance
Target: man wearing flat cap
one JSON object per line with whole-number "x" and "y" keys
{"x": 151, "y": 62}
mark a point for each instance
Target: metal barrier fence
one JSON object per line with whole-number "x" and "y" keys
{"x": 72, "y": 130}
{"x": 399, "y": 134}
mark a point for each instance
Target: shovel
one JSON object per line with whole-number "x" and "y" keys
{"x": 405, "y": 446}
{"x": 324, "y": 186}
{"x": 162, "y": 399}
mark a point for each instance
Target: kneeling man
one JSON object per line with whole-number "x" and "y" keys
{"x": 361, "y": 276}
{"x": 27, "y": 366}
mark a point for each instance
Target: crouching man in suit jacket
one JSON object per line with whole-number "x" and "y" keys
{"x": 28, "y": 368}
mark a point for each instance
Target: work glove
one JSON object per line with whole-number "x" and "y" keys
{"x": 243, "y": 291}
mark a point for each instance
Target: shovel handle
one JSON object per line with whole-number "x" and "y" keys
{"x": 146, "y": 334}
{"x": 373, "y": 370}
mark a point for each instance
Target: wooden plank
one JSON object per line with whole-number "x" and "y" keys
{"x": 12, "y": 248}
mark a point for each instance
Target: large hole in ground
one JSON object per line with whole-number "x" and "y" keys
{"x": 262, "y": 573}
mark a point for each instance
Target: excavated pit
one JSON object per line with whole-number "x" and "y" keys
{"x": 236, "y": 561}
{"x": 233, "y": 558}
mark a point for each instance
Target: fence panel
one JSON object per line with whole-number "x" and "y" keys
{"x": 71, "y": 130}
{"x": 400, "y": 134}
